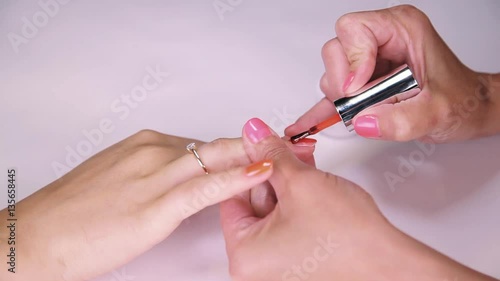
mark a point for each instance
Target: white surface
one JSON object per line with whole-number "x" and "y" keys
{"x": 261, "y": 60}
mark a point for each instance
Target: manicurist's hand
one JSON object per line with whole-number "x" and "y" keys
{"x": 124, "y": 200}
{"x": 456, "y": 103}
{"x": 323, "y": 227}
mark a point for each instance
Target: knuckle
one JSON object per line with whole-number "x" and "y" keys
{"x": 231, "y": 148}
{"x": 146, "y": 136}
{"x": 220, "y": 144}
{"x": 406, "y": 10}
{"x": 329, "y": 47}
{"x": 356, "y": 55}
{"x": 404, "y": 131}
{"x": 323, "y": 84}
{"x": 410, "y": 13}
{"x": 346, "y": 21}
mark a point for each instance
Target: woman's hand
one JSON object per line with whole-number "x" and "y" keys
{"x": 323, "y": 227}
{"x": 123, "y": 201}
{"x": 455, "y": 103}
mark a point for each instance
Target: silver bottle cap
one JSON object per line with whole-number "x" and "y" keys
{"x": 391, "y": 88}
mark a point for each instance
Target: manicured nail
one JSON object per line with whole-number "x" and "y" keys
{"x": 306, "y": 142}
{"x": 256, "y": 130}
{"x": 259, "y": 168}
{"x": 367, "y": 126}
{"x": 348, "y": 81}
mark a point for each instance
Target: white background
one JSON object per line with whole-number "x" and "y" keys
{"x": 261, "y": 59}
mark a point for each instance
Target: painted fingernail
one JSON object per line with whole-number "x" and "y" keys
{"x": 259, "y": 168}
{"x": 348, "y": 81}
{"x": 367, "y": 126}
{"x": 256, "y": 130}
{"x": 306, "y": 142}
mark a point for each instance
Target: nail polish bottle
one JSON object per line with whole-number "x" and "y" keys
{"x": 398, "y": 85}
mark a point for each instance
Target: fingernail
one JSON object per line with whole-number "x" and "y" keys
{"x": 259, "y": 168}
{"x": 348, "y": 81}
{"x": 367, "y": 126}
{"x": 306, "y": 142}
{"x": 256, "y": 130}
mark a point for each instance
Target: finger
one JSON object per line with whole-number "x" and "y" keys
{"x": 263, "y": 199}
{"x": 311, "y": 161}
{"x": 218, "y": 155}
{"x": 323, "y": 110}
{"x": 336, "y": 69}
{"x": 324, "y": 85}
{"x": 403, "y": 121}
{"x": 361, "y": 34}
{"x": 261, "y": 142}
{"x": 196, "y": 194}
{"x": 304, "y": 149}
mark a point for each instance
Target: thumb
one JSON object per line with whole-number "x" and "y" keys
{"x": 260, "y": 143}
{"x": 403, "y": 121}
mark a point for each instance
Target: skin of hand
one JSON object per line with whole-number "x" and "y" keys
{"x": 455, "y": 102}
{"x": 126, "y": 199}
{"x": 323, "y": 227}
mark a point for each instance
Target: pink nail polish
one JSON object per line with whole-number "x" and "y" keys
{"x": 348, "y": 81}
{"x": 367, "y": 126}
{"x": 256, "y": 130}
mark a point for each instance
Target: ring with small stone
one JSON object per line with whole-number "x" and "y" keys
{"x": 192, "y": 149}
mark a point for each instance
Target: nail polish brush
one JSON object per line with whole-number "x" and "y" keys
{"x": 398, "y": 85}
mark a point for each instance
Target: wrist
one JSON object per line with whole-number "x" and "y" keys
{"x": 415, "y": 261}
{"x": 488, "y": 92}
{"x": 21, "y": 264}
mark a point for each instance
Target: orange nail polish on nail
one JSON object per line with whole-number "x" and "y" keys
{"x": 306, "y": 142}
{"x": 259, "y": 168}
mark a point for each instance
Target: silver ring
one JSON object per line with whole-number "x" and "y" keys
{"x": 192, "y": 149}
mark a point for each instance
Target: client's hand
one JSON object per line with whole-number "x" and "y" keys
{"x": 123, "y": 201}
